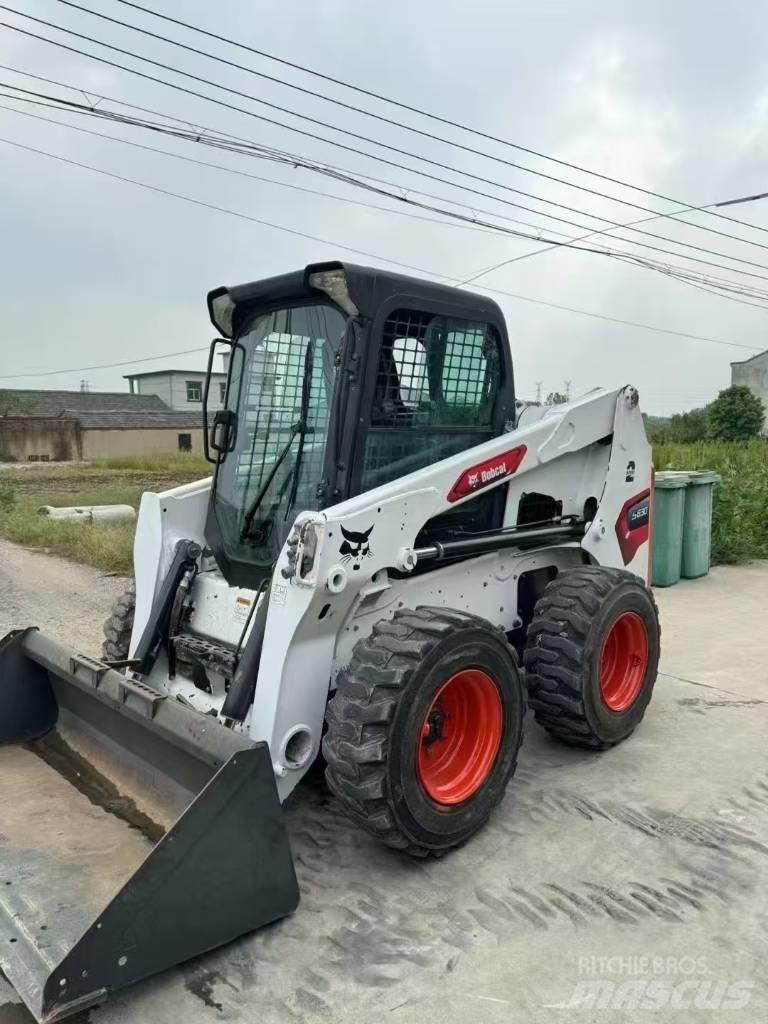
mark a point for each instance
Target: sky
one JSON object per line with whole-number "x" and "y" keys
{"x": 672, "y": 98}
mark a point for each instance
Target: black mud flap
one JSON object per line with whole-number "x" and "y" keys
{"x": 135, "y": 834}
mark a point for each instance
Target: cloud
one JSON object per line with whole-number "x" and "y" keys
{"x": 96, "y": 270}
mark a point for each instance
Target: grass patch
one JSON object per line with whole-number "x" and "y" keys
{"x": 107, "y": 546}
{"x": 119, "y": 481}
{"x": 739, "y": 530}
{"x": 111, "y": 494}
{"x": 155, "y": 472}
{"x": 170, "y": 464}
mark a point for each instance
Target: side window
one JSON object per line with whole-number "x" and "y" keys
{"x": 436, "y": 370}
{"x": 435, "y": 392}
{"x": 410, "y": 365}
{"x": 470, "y": 373}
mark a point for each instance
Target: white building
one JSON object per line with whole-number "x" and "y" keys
{"x": 181, "y": 390}
{"x": 754, "y": 373}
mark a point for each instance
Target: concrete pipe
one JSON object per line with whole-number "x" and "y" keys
{"x": 89, "y": 513}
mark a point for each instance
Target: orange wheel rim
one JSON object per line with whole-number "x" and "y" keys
{"x": 460, "y": 737}
{"x": 623, "y": 661}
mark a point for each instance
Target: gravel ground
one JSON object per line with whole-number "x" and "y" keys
{"x": 623, "y": 887}
{"x": 67, "y": 600}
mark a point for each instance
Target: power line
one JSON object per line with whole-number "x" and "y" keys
{"x": 472, "y": 224}
{"x": 422, "y": 270}
{"x": 398, "y": 124}
{"x": 292, "y": 158}
{"x": 211, "y": 206}
{"x": 285, "y": 110}
{"x": 103, "y": 366}
{"x": 280, "y": 124}
{"x": 422, "y": 113}
{"x": 467, "y": 226}
{"x": 389, "y": 162}
{"x": 548, "y": 248}
{"x": 373, "y": 156}
{"x": 322, "y": 167}
{"x": 670, "y": 270}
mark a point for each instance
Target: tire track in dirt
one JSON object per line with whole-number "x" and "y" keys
{"x": 374, "y": 934}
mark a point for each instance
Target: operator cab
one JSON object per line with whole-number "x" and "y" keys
{"x": 342, "y": 378}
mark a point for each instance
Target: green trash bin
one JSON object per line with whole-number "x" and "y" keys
{"x": 697, "y": 524}
{"x": 667, "y": 524}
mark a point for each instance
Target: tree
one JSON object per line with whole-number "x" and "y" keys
{"x": 735, "y": 415}
{"x": 687, "y": 427}
{"x": 556, "y": 398}
{"x": 14, "y": 405}
{"x": 656, "y": 428}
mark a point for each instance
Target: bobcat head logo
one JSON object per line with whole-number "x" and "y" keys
{"x": 355, "y": 547}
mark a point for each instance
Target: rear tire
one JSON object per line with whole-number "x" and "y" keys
{"x": 424, "y": 728}
{"x": 592, "y": 656}
{"x": 119, "y": 626}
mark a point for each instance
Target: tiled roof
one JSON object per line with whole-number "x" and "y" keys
{"x": 126, "y": 418}
{"x": 108, "y": 409}
{"x": 53, "y": 403}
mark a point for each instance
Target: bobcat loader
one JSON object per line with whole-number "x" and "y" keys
{"x": 386, "y": 566}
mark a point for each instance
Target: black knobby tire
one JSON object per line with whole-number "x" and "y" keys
{"x": 117, "y": 628}
{"x": 564, "y": 651}
{"x": 376, "y": 718}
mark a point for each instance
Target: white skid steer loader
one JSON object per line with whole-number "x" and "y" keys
{"x": 381, "y": 545}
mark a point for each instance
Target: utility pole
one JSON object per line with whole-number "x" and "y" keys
{"x": 567, "y": 384}
{"x": 84, "y": 386}
{"x": 539, "y": 385}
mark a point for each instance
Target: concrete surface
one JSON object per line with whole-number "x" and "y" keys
{"x": 625, "y": 886}
{"x": 67, "y": 601}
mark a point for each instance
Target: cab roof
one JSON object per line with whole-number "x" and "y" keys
{"x": 368, "y": 287}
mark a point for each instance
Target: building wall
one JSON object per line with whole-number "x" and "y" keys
{"x": 172, "y": 389}
{"x": 50, "y": 438}
{"x": 159, "y": 384}
{"x": 754, "y": 374}
{"x": 99, "y": 444}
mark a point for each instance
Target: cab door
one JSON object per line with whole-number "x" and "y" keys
{"x": 438, "y": 382}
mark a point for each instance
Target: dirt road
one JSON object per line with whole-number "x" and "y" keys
{"x": 621, "y": 882}
{"x": 68, "y": 601}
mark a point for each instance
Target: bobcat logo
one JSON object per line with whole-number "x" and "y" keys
{"x": 355, "y": 547}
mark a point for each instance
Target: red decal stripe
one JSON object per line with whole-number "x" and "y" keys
{"x": 633, "y": 525}
{"x": 486, "y": 473}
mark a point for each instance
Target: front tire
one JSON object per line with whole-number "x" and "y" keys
{"x": 424, "y": 728}
{"x": 592, "y": 656}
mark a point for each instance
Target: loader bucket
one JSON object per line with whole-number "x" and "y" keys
{"x": 135, "y": 833}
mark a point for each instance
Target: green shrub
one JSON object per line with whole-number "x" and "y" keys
{"x": 739, "y": 529}
{"x": 735, "y": 415}
{"x": 7, "y": 498}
